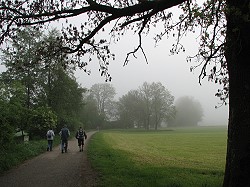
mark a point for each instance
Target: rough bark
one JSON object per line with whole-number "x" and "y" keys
{"x": 237, "y": 55}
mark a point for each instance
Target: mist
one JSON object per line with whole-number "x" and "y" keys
{"x": 173, "y": 71}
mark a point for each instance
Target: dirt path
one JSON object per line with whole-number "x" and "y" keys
{"x": 53, "y": 169}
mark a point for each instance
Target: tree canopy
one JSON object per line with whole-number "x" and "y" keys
{"x": 81, "y": 40}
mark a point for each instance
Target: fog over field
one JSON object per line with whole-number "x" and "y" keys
{"x": 173, "y": 71}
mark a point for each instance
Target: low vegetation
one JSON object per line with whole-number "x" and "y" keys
{"x": 16, "y": 153}
{"x": 182, "y": 157}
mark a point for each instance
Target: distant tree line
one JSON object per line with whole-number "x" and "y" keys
{"x": 151, "y": 106}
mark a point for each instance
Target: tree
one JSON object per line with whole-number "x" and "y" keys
{"x": 158, "y": 103}
{"x": 103, "y": 94}
{"x": 162, "y": 103}
{"x": 66, "y": 97}
{"x": 146, "y": 95}
{"x": 51, "y": 59}
{"x": 224, "y": 44}
{"x": 12, "y": 110}
{"x": 131, "y": 109}
{"x": 188, "y": 112}
{"x": 147, "y": 106}
{"x": 90, "y": 115}
{"x": 21, "y": 61}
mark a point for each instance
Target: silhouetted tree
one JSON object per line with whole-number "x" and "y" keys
{"x": 188, "y": 112}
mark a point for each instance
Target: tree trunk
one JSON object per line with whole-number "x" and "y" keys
{"x": 237, "y": 55}
{"x": 28, "y": 103}
{"x": 49, "y": 99}
{"x": 156, "y": 123}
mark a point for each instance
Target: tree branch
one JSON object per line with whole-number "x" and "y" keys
{"x": 212, "y": 54}
{"x": 139, "y": 45}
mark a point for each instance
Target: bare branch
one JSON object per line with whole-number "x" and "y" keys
{"x": 139, "y": 45}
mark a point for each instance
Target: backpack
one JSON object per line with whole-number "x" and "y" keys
{"x": 49, "y": 135}
{"x": 64, "y": 134}
{"x": 80, "y": 134}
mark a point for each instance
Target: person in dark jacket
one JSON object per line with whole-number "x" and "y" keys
{"x": 80, "y": 136}
{"x": 64, "y": 133}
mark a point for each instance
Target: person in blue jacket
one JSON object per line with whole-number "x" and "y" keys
{"x": 64, "y": 133}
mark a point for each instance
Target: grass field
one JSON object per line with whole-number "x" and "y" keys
{"x": 170, "y": 158}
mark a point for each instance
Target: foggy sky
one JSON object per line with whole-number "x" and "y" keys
{"x": 173, "y": 71}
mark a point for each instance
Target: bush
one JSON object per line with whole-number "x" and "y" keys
{"x": 40, "y": 121}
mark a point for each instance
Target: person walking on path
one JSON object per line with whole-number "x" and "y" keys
{"x": 50, "y": 137}
{"x": 64, "y": 133}
{"x": 80, "y": 136}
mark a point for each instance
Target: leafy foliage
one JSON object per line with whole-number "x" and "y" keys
{"x": 36, "y": 90}
{"x": 12, "y": 110}
{"x": 42, "y": 119}
{"x": 6, "y": 130}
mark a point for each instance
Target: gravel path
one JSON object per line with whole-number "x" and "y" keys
{"x": 52, "y": 169}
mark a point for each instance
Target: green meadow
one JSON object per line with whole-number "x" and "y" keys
{"x": 193, "y": 157}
